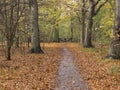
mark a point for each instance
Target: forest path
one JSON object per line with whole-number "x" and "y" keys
{"x": 69, "y": 77}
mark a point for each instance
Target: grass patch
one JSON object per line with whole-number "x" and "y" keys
{"x": 114, "y": 69}
{"x": 89, "y": 49}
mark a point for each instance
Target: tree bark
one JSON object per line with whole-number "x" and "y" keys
{"x": 71, "y": 28}
{"x": 17, "y": 42}
{"x": 35, "y": 39}
{"x": 94, "y": 9}
{"x": 11, "y": 14}
{"x": 114, "y": 49}
{"x": 8, "y": 48}
{"x": 88, "y": 33}
{"x": 83, "y": 23}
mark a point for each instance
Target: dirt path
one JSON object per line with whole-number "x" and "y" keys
{"x": 69, "y": 77}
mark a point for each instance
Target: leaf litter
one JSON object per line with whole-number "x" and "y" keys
{"x": 39, "y": 71}
{"x": 31, "y": 71}
{"x": 99, "y": 73}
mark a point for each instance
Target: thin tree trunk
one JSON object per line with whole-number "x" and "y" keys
{"x": 56, "y": 35}
{"x": 71, "y": 29}
{"x": 17, "y": 42}
{"x": 8, "y": 50}
{"x": 28, "y": 41}
{"x": 83, "y": 23}
{"x": 71, "y": 34}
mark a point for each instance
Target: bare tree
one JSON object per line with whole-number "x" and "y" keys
{"x": 10, "y": 13}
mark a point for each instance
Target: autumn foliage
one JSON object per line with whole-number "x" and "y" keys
{"x": 30, "y": 71}
{"x": 40, "y": 71}
{"x": 98, "y": 72}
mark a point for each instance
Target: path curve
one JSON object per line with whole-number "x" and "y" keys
{"x": 69, "y": 77}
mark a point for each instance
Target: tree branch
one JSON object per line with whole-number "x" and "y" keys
{"x": 98, "y": 9}
{"x": 97, "y": 2}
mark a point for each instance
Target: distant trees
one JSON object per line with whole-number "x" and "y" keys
{"x": 71, "y": 26}
{"x": 55, "y": 23}
{"x": 56, "y": 19}
{"x": 55, "y": 26}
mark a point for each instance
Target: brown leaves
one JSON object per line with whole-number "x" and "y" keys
{"x": 96, "y": 71}
{"x": 38, "y": 71}
{"x": 32, "y": 71}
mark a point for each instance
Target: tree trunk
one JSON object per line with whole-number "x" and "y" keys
{"x": 114, "y": 49}
{"x": 28, "y": 41}
{"x": 83, "y": 23}
{"x": 56, "y": 35}
{"x": 8, "y": 50}
{"x": 93, "y": 11}
{"x": 17, "y": 42}
{"x": 35, "y": 39}
{"x": 71, "y": 29}
{"x": 88, "y": 34}
{"x": 71, "y": 34}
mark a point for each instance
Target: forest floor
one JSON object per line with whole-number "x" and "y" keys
{"x": 30, "y": 71}
{"x": 98, "y": 72}
{"x": 42, "y": 71}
